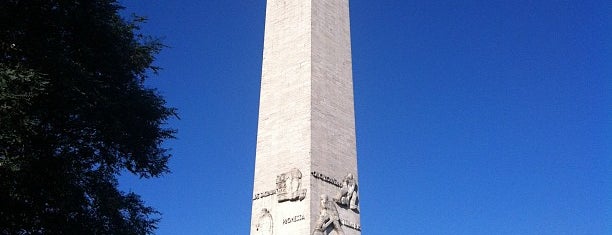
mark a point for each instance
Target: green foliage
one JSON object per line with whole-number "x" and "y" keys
{"x": 74, "y": 114}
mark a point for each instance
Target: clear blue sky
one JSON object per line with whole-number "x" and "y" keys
{"x": 473, "y": 117}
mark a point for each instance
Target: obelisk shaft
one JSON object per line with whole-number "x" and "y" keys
{"x": 306, "y": 130}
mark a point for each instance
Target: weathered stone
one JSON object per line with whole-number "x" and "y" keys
{"x": 306, "y": 118}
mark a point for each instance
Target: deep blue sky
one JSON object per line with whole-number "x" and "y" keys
{"x": 473, "y": 117}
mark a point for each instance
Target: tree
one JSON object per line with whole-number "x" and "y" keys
{"x": 75, "y": 114}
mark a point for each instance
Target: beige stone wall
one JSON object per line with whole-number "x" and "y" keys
{"x": 306, "y": 117}
{"x": 333, "y": 119}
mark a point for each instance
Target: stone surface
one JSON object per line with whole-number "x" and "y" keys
{"x": 306, "y": 117}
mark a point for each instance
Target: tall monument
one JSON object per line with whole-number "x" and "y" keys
{"x": 306, "y": 162}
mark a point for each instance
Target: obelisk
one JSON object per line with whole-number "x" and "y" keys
{"x": 306, "y": 161}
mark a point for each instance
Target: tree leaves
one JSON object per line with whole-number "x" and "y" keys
{"x": 74, "y": 113}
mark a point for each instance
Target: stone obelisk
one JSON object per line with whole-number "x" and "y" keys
{"x": 306, "y": 162}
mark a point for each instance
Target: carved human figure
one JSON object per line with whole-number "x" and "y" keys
{"x": 295, "y": 181}
{"x": 328, "y": 218}
{"x": 348, "y": 195}
{"x": 264, "y": 224}
{"x": 288, "y": 186}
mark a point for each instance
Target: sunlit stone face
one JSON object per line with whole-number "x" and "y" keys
{"x": 306, "y": 130}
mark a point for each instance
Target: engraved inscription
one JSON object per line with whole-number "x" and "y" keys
{"x": 350, "y": 224}
{"x": 326, "y": 179}
{"x": 264, "y": 194}
{"x": 294, "y": 219}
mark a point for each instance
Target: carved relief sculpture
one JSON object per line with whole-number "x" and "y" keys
{"x": 264, "y": 224}
{"x": 328, "y": 218}
{"x": 288, "y": 186}
{"x": 348, "y": 195}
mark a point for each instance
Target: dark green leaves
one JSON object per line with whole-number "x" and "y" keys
{"x": 74, "y": 113}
